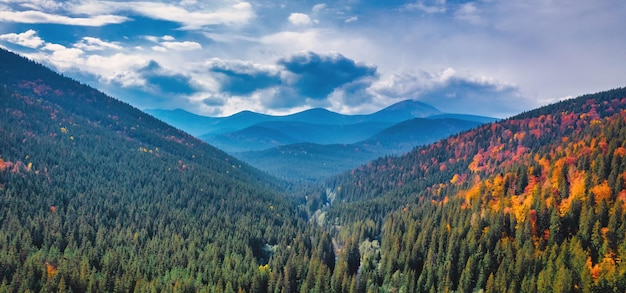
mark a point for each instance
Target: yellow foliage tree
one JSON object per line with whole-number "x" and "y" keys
{"x": 602, "y": 192}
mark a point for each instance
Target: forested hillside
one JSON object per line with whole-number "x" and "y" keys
{"x": 97, "y": 196}
{"x": 534, "y": 203}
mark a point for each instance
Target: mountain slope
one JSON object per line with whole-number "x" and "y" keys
{"x": 98, "y": 196}
{"x": 534, "y": 203}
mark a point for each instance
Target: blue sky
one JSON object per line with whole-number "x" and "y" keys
{"x": 484, "y": 57}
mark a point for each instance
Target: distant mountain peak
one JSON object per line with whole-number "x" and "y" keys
{"x": 405, "y": 110}
{"x": 410, "y": 103}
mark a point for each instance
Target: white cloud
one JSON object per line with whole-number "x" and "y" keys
{"x": 229, "y": 38}
{"x": 28, "y": 39}
{"x": 37, "y": 4}
{"x": 53, "y": 47}
{"x": 188, "y": 2}
{"x": 468, "y": 12}
{"x": 159, "y": 49}
{"x": 62, "y": 57}
{"x": 299, "y": 19}
{"x": 241, "y": 66}
{"x": 351, "y": 19}
{"x": 43, "y": 17}
{"x": 317, "y": 8}
{"x": 120, "y": 68}
{"x": 293, "y": 41}
{"x": 167, "y": 42}
{"x": 238, "y": 14}
{"x": 437, "y": 6}
{"x": 153, "y": 39}
{"x": 95, "y": 44}
{"x": 182, "y": 46}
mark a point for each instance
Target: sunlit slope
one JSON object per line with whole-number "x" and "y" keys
{"x": 534, "y": 203}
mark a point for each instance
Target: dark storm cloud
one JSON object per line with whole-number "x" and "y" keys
{"x": 319, "y": 75}
{"x": 243, "y": 83}
{"x": 166, "y": 82}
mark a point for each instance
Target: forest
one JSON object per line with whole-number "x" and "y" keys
{"x": 534, "y": 203}
{"x": 97, "y": 196}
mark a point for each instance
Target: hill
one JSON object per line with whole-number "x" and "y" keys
{"x": 98, "y": 196}
{"x": 534, "y": 203}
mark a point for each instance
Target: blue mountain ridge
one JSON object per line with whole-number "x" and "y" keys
{"x": 251, "y": 131}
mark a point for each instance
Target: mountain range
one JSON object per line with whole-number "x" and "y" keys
{"x": 320, "y": 139}
{"x": 198, "y": 125}
{"x": 250, "y": 131}
{"x": 96, "y": 195}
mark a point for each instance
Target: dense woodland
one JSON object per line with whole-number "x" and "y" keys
{"x": 96, "y": 196}
{"x": 532, "y": 203}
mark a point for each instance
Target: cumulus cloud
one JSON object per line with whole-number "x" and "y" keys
{"x": 62, "y": 57}
{"x": 28, "y": 39}
{"x": 160, "y": 80}
{"x": 456, "y": 92}
{"x": 243, "y": 78}
{"x": 119, "y": 68}
{"x": 95, "y": 44}
{"x": 298, "y": 80}
{"x": 316, "y": 76}
{"x": 299, "y": 19}
{"x": 32, "y": 16}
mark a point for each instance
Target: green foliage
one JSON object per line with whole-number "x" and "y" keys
{"x": 98, "y": 196}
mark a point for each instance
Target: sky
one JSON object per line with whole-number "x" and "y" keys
{"x": 487, "y": 57}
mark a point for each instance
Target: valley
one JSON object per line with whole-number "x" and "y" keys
{"x": 96, "y": 195}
